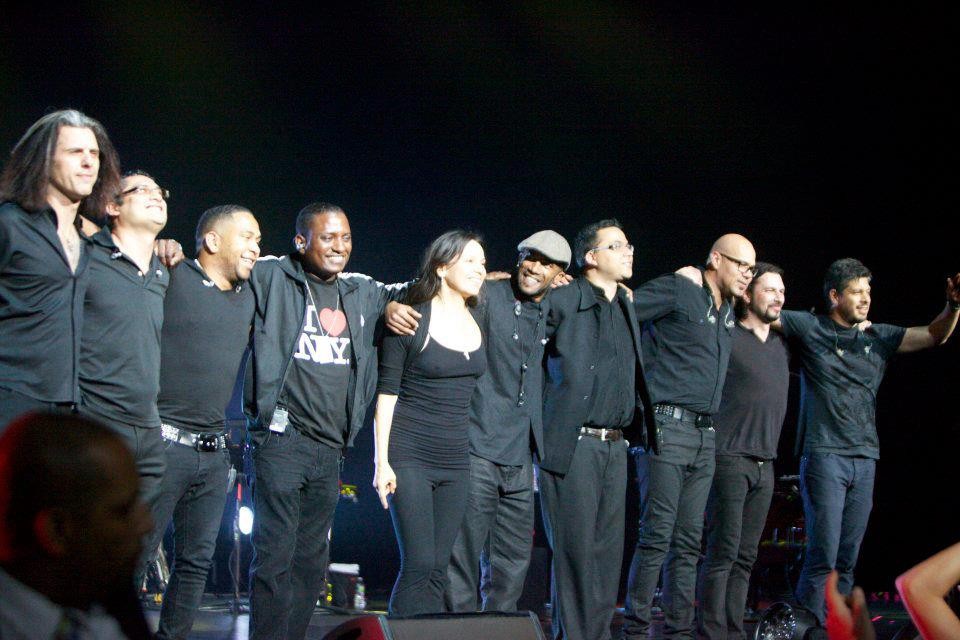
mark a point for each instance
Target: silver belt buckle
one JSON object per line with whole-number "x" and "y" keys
{"x": 169, "y": 432}
{"x": 603, "y": 435}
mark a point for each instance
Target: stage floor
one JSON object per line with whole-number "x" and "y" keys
{"x": 216, "y": 621}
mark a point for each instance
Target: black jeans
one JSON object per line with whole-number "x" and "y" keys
{"x": 192, "y": 492}
{"x": 146, "y": 445}
{"x": 427, "y": 511}
{"x": 14, "y": 404}
{"x": 736, "y": 512}
{"x": 583, "y": 518}
{"x": 295, "y": 493}
{"x": 495, "y": 540}
{"x": 674, "y": 486}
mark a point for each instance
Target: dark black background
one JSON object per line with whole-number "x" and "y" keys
{"x": 817, "y": 132}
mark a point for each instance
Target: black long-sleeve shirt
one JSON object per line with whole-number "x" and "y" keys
{"x": 41, "y": 307}
{"x": 506, "y": 411}
{"x": 686, "y": 342}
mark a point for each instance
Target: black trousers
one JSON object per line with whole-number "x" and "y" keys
{"x": 736, "y": 512}
{"x": 295, "y": 493}
{"x": 192, "y": 493}
{"x": 427, "y": 511}
{"x": 495, "y": 540}
{"x": 583, "y": 517}
{"x": 13, "y": 405}
{"x": 674, "y": 486}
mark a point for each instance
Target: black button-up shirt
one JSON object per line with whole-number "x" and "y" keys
{"x": 573, "y": 368}
{"x": 120, "y": 347}
{"x": 506, "y": 411}
{"x": 686, "y": 342}
{"x": 41, "y": 306}
{"x": 614, "y": 396}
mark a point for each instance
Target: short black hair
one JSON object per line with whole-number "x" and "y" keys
{"x": 311, "y": 211}
{"x": 762, "y": 268}
{"x": 587, "y": 237}
{"x": 840, "y": 273}
{"x": 212, "y": 217}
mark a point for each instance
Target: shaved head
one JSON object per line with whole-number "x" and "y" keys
{"x": 735, "y": 246}
{"x": 732, "y": 261}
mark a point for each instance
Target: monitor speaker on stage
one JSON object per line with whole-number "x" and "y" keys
{"x": 449, "y": 626}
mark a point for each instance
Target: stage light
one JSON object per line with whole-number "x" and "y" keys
{"x": 780, "y": 621}
{"x": 245, "y": 520}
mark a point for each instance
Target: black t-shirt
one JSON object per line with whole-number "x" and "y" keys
{"x": 754, "y": 401}
{"x": 513, "y": 333}
{"x": 205, "y": 332}
{"x": 433, "y": 385}
{"x": 120, "y": 346}
{"x": 686, "y": 342}
{"x": 842, "y": 371}
{"x": 318, "y": 377}
{"x": 615, "y": 382}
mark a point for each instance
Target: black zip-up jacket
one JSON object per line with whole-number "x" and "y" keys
{"x": 570, "y": 360}
{"x": 280, "y": 288}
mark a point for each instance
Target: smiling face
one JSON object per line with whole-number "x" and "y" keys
{"x": 326, "y": 247}
{"x": 465, "y": 274}
{"x": 535, "y": 273}
{"x": 239, "y": 245}
{"x": 74, "y": 165}
{"x": 852, "y": 305}
{"x": 765, "y": 297}
{"x": 141, "y": 205}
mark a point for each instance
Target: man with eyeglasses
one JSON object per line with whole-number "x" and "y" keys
{"x": 687, "y": 332}
{"x": 44, "y": 258}
{"x": 123, "y": 315}
{"x": 842, "y": 365}
{"x": 748, "y": 425}
{"x": 593, "y": 374}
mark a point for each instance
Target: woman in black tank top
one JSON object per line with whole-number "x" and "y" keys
{"x": 422, "y": 447}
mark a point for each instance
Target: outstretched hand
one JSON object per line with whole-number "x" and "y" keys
{"x": 953, "y": 289}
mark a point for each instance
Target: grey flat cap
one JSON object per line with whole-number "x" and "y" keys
{"x": 550, "y": 244}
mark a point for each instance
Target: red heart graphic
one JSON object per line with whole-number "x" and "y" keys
{"x": 333, "y": 321}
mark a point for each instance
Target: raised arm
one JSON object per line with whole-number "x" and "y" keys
{"x": 937, "y": 332}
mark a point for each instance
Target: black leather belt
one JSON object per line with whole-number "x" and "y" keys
{"x": 198, "y": 441}
{"x": 611, "y": 435}
{"x": 699, "y": 420}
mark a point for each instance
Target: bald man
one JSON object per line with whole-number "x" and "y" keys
{"x": 687, "y": 332}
